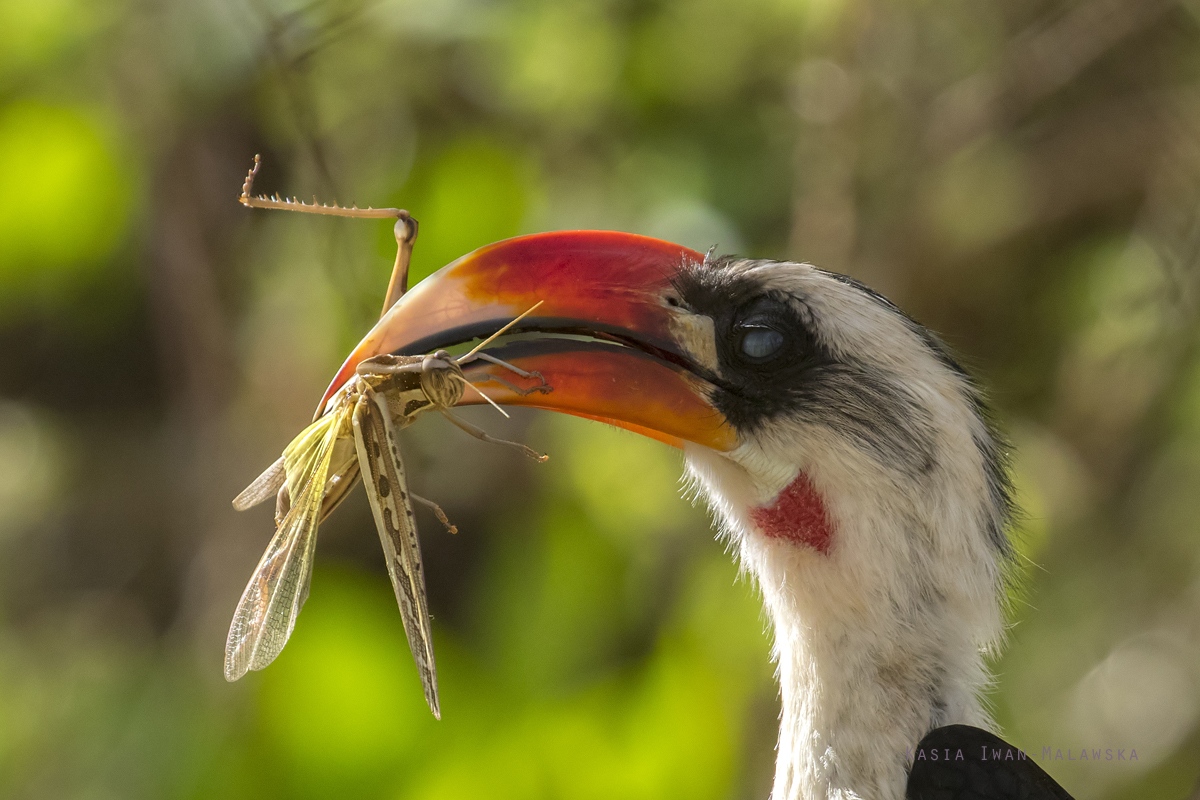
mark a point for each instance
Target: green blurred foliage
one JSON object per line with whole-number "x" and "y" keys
{"x": 1022, "y": 176}
{"x": 471, "y": 193}
{"x": 65, "y": 204}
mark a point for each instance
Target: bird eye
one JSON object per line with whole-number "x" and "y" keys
{"x": 761, "y": 343}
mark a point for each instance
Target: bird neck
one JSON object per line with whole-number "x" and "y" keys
{"x": 879, "y": 636}
{"x": 863, "y": 676}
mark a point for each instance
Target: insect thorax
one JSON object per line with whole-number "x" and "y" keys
{"x": 414, "y": 383}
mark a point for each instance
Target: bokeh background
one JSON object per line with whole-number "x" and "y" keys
{"x": 1021, "y": 175}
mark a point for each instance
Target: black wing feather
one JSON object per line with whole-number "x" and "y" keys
{"x": 979, "y": 774}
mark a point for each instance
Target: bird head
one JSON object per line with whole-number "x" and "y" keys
{"x": 840, "y": 446}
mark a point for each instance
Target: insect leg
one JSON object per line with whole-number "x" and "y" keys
{"x": 338, "y": 488}
{"x": 283, "y": 504}
{"x": 479, "y": 433}
{"x": 387, "y": 490}
{"x": 498, "y": 362}
{"x": 437, "y": 511}
{"x": 406, "y": 236}
{"x": 544, "y": 387}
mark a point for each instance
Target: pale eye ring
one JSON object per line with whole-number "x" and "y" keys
{"x": 761, "y": 343}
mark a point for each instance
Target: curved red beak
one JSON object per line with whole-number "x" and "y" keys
{"x": 612, "y": 288}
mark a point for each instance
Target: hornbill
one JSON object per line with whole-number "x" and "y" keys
{"x": 842, "y": 450}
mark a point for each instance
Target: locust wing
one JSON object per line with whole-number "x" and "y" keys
{"x": 264, "y": 486}
{"x": 387, "y": 489}
{"x": 266, "y": 613}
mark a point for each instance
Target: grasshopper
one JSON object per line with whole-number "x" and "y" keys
{"x": 356, "y": 435}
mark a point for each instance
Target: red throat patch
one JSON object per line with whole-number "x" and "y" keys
{"x": 798, "y": 515}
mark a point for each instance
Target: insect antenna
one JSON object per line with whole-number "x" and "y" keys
{"x": 479, "y": 391}
{"x": 490, "y": 339}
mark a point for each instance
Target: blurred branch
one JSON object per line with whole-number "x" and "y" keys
{"x": 1170, "y": 223}
{"x": 824, "y": 206}
{"x": 1037, "y": 62}
{"x": 190, "y": 323}
{"x": 288, "y": 68}
{"x": 1097, "y": 154}
{"x": 1124, "y": 439}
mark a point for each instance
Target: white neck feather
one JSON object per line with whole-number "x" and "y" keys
{"x": 883, "y": 638}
